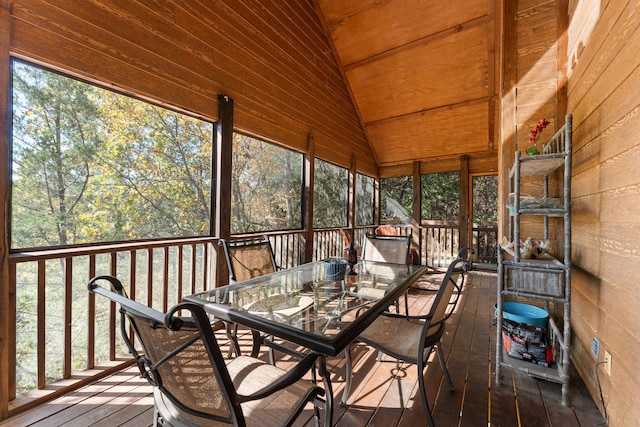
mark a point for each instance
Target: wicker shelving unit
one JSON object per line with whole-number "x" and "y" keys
{"x": 545, "y": 278}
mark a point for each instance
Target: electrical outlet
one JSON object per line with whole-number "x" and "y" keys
{"x": 607, "y": 362}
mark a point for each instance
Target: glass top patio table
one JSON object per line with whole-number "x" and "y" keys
{"x": 303, "y": 306}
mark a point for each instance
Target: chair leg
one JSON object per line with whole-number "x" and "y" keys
{"x": 423, "y": 396}
{"x": 445, "y": 371}
{"x": 406, "y": 303}
{"x": 347, "y": 376}
{"x": 232, "y": 334}
{"x": 272, "y": 357}
{"x": 316, "y": 414}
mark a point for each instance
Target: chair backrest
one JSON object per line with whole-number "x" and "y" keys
{"x": 392, "y": 249}
{"x": 249, "y": 258}
{"x": 448, "y": 294}
{"x": 345, "y": 237}
{"x": 387, "y": 230}
{"x": 181, "y": 356}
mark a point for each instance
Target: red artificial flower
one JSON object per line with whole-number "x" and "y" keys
{"x": 535, "y": 133}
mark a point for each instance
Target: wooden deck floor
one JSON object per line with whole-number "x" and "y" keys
{"x": 381, "y": 394}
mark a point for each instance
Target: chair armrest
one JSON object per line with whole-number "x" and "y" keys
{"x": 406, "y": 316}
{"x": 284, "y": 381}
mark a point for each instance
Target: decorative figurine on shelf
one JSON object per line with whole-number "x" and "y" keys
{"x": 532, "y": 149}
{"x": 352, "y": 257}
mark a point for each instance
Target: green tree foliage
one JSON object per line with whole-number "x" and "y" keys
{"x": 441, "y": 196}
{"x": 156, "y": 170}
{"x": 266, "y": 186}
{"x": 364, "y": 200}
{"x": 485, "y": 197}
{"x": 91, "y": 166}
{"x": 396, "y": 199}
{"x": 330, "y": 195}
{"x": 55, "y": 141}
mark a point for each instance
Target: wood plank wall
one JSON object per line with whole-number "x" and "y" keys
{"x": 271, "y": 57}
{"x": 604, "y": 96}
{"x": 585, "y": 62}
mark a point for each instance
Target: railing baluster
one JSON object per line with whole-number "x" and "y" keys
{"x": 205, "y": 258}
{"x": 42, "y": 325}
{"x": 133, "y": 289}
{"x": 91, "y": 318}
{"x": 68, "y": 316}
{"x": 193, "y": 269}
{"x": 113, "y": 270}
{"x": 180, "y": 268}
{"x": 165, "y": 279}
{"x": 149, "y": 273}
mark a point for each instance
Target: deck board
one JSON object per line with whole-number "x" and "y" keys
{"x": 381, "y": 394}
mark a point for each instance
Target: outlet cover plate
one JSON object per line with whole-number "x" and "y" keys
{"x": 595, "y": 347}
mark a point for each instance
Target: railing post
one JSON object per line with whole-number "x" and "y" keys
{"x": 417, "y": 210}
{"x": 307, "y": 202}
{"x": 223, "y": 158}
{"x": 7, "y": 294}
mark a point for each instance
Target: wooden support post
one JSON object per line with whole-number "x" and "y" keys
{"x": 307, "y": 202}
{"x": 416, "y": 209}
{"x": 465, "y": 202}
{"x": 351, "y": 209}
{"x": 507, "y": 93}
{"x": 7, "y": 295}
{"x": 222, "y": 162}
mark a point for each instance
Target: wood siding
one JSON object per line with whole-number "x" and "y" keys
{"x": 604, "y": 96}
{"x": 272, "y": 58}
{"x": 584, "y": 61}
{"x": 421, "y": 75}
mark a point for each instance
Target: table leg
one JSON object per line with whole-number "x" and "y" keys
{"x": 328, "y": 390}
{"x": 347, "y": 375}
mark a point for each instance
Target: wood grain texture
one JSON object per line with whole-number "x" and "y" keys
{"x": 272, "y": 58}
{"x": 603, "y": 90}
{"x": 419, "y": 135}
{"x": 367, "y": 28}
{"x": 428, "y": 75}
{"x": 7, "y": 294}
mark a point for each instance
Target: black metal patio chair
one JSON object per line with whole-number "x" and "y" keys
{"x": 193, "y": 384}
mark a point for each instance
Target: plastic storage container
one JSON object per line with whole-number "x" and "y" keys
{"x": 524, "y": 313}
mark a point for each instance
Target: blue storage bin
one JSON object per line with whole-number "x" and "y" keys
{"x": 524, "y": 313}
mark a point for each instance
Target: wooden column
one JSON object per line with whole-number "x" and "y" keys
{"x": 7, "y": 295}
{"x": 465, "y": 204}
{"x": 416, "y": 208}
{"x": 351, "y": 213}
{"x": 376, "y": 199}
{"x": 307, "y": 202}
{"x": 507, "y": 92}
{"x": 222, "y": 161}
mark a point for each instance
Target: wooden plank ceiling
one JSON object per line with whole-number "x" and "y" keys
{"x": 420, "y": 73}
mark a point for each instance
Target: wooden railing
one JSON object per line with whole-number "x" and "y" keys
{"x": 485, "y": 241}
{"x": 440, "y": 241}
{"x": 62, "y": 334}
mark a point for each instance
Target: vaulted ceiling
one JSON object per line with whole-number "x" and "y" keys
{"x": 421, "y": 74}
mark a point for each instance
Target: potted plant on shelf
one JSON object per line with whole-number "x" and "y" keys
{"x": 532, "y": 149}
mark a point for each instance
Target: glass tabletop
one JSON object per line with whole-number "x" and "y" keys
{"x": 320, "y": 305}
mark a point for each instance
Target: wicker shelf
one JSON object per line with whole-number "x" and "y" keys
{"x": 544, "y": 278}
